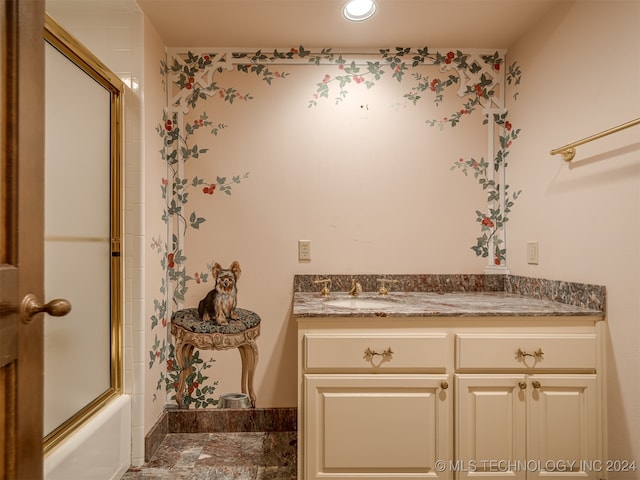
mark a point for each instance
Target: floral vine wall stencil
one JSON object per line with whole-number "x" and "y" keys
{"x": 480, "y": 83}
{"x": 476, "y": 75}
{"x": 499, "y": 199}
{"x": 195, "y": 79}
{"x": 190, "y": 80}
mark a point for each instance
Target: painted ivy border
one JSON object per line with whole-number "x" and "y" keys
{"x": 478, "y": 76}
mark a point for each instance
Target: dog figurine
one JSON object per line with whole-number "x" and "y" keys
{"x": 220, "y": 303}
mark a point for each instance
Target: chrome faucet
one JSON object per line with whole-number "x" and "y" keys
{"x": 356, "y": 288}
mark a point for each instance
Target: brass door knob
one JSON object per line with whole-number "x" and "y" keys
{"x": 522, "y": 385}
{"x": 444, "y": 385}
{"x": 535, "y": 384}
{"x": 30, "y": 306}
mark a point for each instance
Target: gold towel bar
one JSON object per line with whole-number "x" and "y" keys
{"x": 569, "y": 151}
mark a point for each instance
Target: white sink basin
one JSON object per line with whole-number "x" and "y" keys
{"x": 361, "y": 303}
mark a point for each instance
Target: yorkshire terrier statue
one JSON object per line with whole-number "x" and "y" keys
{"x": 220, "y": 303}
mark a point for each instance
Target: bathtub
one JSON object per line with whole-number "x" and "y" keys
{"x": 99, "y": 450}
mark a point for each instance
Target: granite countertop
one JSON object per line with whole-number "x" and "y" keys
{"x": 430, "y": 304}
{"x": 448, "y": 295}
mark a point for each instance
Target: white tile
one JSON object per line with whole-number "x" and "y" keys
{"x": 139, "y": 370}
{"x": 137, "y": 410}
{"x": 138, "y": 316}
{"x": 120, "y": 38}
{"x": 137, "y": 445}
{"x": 121, "y": 62}
{"x": 138, "y": 214}
{"x": 138, "y": 286}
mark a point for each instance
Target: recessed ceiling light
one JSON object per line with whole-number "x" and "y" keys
{"x": 358, "y": 10}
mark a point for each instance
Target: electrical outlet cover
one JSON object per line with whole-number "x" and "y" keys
{"x": 304, "y": 250}
{"x": 532, "y": 253}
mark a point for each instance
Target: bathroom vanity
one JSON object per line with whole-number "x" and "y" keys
{"x": 448, "y": 385}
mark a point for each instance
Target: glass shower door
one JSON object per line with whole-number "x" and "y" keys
{"x": 81, "y": 361}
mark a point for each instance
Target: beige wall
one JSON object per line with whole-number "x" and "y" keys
{"x": 581, "y": 75}
{"x": 367, "y": 181}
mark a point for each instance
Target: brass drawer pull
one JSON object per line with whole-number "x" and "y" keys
{"x": 522, "y": 385}
{"x": 538, "y": 354}
{"x": 386, "y": 355}
{"x": 535, "y": 384}
{"x": 444, "y": 385}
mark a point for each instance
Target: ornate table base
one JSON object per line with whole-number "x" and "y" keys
{"x": 191, "y": 332}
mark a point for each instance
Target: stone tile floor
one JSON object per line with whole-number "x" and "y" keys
{"x": 218, "y": 456}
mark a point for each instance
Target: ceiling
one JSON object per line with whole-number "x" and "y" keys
{"x": 255, "y": 24}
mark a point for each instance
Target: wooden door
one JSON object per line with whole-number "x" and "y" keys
{"x": 21, "y": 238}
{"x": 491, "y": 426}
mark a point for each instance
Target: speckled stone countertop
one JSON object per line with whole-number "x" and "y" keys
{"x": 448, "y": 296}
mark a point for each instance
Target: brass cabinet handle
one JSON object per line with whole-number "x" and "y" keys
{"x": 386, "y": 355}
{"x": 535, "y": 384}
{"x": 522, "y": 385}
{"x": 538, "y": 354}
{"x": 444, "y": 385}
{"x": 30, "y": 307}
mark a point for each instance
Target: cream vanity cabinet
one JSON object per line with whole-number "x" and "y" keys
{"x": 449, "y": 398}
{"x": 375, "y": 402}
{"x": 528, "y": 406}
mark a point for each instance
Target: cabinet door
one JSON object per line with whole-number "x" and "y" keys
{"x": 382, "y": 426}
{"x": 562, "y": 426}
{"x": 490, "y": 426}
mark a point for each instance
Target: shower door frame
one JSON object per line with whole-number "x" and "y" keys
{"x": 56, "y": 36}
